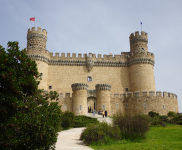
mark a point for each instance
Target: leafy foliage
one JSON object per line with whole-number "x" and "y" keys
{"x": 132, "y": 127}
{"x": 67, "y": 119}
{"x": 100, "y": 133}
{"x": 171, "y": 114}
{"x": 177, "y": 120}
{"x": 28, "y": 120}
{"x": 153, "y": 114}
{"x": 83, "y": 121}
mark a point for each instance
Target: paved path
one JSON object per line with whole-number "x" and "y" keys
{"x": 69, "y": 139}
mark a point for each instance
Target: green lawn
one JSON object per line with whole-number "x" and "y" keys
{"x": 158, "y": 138}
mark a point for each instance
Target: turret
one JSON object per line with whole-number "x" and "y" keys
{"x": 138, "y": 42}
{"x": 36, "y": 50}
{"x": 141, "y": 64}
{"x": 80, "y": 98}
{"x": 36, "y": 38}
{"x": 103, "y": 97}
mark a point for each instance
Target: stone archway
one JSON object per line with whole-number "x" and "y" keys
{"x": 91, "y": 102}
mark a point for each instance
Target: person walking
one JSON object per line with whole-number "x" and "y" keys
{"x": 93, "y": 112}
{"x": 105, "y": 113}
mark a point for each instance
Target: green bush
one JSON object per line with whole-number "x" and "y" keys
{"x": 100, "y": 133}
{"x": 67, "y": 119}
{"x": 153, "y": 114}
{"x": 177, "y": 120}
{"x": 28, "y": 120}
{"x": 155, "y": 120}
{"x": 164, "y": 118}
{"x": 82, "y": 121}
{"x": 132, "y": 127}
{"x": 171, "y": 114}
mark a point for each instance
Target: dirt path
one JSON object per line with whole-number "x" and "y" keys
{"x": 69, "y": 140}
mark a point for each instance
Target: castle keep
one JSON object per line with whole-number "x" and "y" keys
{"x": 120, "y": 83}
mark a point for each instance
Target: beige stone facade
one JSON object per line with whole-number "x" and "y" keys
{"x": 122, "y": 83}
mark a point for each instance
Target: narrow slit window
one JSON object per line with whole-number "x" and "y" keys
{"x": 126, "y": 89}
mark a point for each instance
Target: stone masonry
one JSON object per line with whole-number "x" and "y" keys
{"x": 121, "y": 83}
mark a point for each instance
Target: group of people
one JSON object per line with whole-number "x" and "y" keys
{"x": 103, "y": 113}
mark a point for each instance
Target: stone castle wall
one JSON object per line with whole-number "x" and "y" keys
{"x": 129, "y": 72}
{"x": 129, "y": 103}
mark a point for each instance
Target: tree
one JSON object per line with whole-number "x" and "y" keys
{"x": 28, "y": 117}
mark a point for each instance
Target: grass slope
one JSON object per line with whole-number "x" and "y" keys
{"x": 162, "y": 138}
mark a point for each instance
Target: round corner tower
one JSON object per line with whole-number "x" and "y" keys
{"x": 79, "y": 98}
{"x": 36, "y": 50}
{"x": 103, "y": 97}
{"x": 141, "y": 64}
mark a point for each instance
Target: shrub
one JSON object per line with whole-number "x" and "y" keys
{"x": 177, "y": 120}
{"x": 132, "y": 127}
{"x": 171, "y": 114}
{"x": 164, "y": 118}
{"x": 27, "y": 119}
{"x": 67, "y": 119}
{"x": 162, "y": 123}
{"x": 153, "y": 114}
{"x": 155, "y": 121}
{"x": 82, "y": 121}
{"x": 100, "y": 133}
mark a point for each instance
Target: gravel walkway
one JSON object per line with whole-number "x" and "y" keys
{"x": 69, "y": 139}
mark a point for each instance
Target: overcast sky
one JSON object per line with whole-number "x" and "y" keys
{"x": 103, "y": 27}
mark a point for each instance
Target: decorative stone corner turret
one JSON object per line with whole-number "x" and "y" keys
{"x": 79, "y": 98}
{"x": 89, "y": 62}
{"x": 79, "y": 86}
{"x": 103, "y": 87}
{"x": 103, "y": 97}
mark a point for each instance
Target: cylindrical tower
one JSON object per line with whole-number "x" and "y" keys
{"x": 141, "y": 64}
{"x": 36, "y": 50}
{"x": 138, "y": 42}
{"x": 79, "y": 98}
{"x": 103, "y": 97}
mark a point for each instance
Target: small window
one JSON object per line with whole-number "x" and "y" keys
{"x": 50, "y": 87}
{"x": 89, "y": 79}
{"x": 117, "y": 105}
{"x": 80, "y": 107}
{"x": 126, "y": 106}
{"x": 103, "y": 107}
{"x": 41, "y": 74}
{"x": 163, "y": 106}
{"x": 30, "y": 44}
{"x": 126, "y": 89}
{"x": 145, "y": 106}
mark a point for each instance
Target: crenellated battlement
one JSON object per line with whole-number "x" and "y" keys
{"x": 39, "y": 31}
{"x": 124, "y": 60}
{"x": 138, "y": 94}
{"x": 137, "y": 37}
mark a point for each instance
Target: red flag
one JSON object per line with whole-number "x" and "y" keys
{"x": 32, "y": 19}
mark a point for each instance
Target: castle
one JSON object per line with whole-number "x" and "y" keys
{"x": 120, "y": 83}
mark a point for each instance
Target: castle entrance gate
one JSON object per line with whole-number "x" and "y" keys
{"x": 91, "y": 103}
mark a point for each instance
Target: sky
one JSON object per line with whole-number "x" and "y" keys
{"x": 103, "y": 27}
